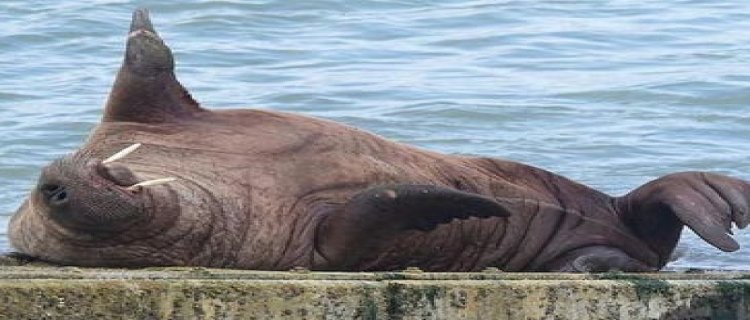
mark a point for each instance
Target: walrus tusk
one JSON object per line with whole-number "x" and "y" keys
{"x": 153, "y": 182}
{"x": 122, "y": 153}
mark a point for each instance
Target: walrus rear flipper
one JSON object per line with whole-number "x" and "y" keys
{"x": 707, "y": 203}
{"x": 146, "y": 89}
{"x": 381, "y": 212}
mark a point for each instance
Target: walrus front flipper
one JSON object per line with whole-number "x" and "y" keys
{"x": 381, "y": 212}
{"x": 146, "y": 89}
{"x": 707, "y": 203}
{"x": 597, "y": 259}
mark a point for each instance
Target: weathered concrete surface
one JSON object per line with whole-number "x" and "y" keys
{"x": 29, "y": 292}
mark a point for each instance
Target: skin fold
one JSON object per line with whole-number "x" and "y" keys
{"x": 267, "y": 190}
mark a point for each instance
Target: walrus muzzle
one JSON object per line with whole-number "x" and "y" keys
{"x": 88, "y": 195}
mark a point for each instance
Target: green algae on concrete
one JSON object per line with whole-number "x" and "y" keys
{"x": 644, "y": 286}
{"x": 200, "y": 293}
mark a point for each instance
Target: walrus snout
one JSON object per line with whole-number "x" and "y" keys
{"x": 118, "y": 174}
{"x": 80, "y": 193}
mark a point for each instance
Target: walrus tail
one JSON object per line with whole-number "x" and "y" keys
{"x": 707, "y": 203}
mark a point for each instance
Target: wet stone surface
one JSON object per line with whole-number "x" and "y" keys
{"x": 35, "y": 291}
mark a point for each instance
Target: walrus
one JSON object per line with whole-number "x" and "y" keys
{"x": 162, "y": 181}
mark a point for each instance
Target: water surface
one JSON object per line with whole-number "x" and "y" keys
{"x": 609, "y": 93}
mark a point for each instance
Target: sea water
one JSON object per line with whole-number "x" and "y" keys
{"x": 608, "y": 93}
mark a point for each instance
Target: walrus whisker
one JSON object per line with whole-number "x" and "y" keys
{"x": 122, "y": 153}
{"x": 153, "y": 182}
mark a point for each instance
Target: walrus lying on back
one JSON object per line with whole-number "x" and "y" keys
{"x": 267, "y": 190}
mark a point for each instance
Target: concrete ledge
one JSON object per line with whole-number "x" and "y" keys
{"x": 197, "y": 293}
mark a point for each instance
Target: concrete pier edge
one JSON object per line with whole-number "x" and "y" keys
{"x": 45, "y": 292}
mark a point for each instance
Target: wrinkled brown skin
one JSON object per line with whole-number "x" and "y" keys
{"x": 272, "y": 191}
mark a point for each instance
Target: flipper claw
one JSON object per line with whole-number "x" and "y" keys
{"x": 141, "y": 21}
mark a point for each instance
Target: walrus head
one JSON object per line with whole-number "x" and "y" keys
{"x": 87, "y": 210}
{"x": 86, "y": 194}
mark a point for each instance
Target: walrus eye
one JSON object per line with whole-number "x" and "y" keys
{"x": 60, "y": 198}
{"x": 54, "y": 194}
{"x": 50, "y": 188}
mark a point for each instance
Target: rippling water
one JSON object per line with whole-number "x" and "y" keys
{"x": 609, "y": 93}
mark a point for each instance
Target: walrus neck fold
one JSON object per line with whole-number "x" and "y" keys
{"x": 146, "y": 88}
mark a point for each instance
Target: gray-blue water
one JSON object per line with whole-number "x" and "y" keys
{"x": 609, "y": 93}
